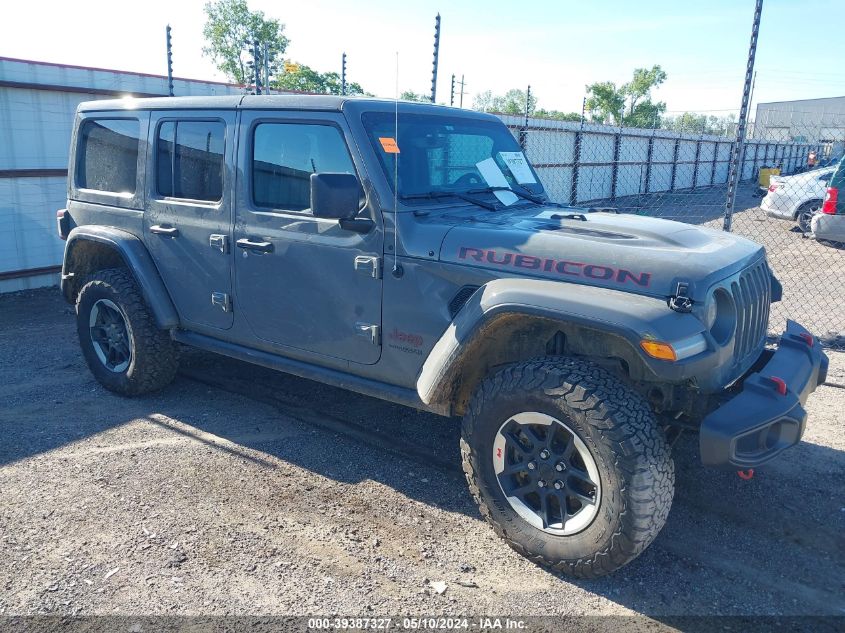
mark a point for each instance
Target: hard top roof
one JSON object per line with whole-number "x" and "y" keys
{"x": 269, "y": 102}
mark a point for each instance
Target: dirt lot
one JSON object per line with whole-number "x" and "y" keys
{"x": 241, "y": 491}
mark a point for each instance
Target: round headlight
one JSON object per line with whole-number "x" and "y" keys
{"x": 723, "y": 321}
{"x": 711, "y": 312}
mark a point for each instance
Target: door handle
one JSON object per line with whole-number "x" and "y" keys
{"x": 258, "y": 247}
{"x": 169, "y": 231}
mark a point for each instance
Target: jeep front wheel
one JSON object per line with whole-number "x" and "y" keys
{"x": 124, "y": 349}
{"x": 568, "y": 465}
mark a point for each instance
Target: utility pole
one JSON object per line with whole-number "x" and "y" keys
{"x": 169, "y": 62}
{"x": 751, "y": 96}
{"x": 462, "y": 83}
{"x": 256, "y": 64}
{"x": 583, "y": 110}
{"x": 735, "y": 167}
{"x": 436, "y": 53}
{"x": 452, "y": 94}
{"x": 343, "y": 74}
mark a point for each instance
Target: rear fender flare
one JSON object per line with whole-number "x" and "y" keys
{"x": 134, "y": 256}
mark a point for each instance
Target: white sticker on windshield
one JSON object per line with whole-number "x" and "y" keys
{"x": 519, "y": 167}
{"x": 494, "y": 177}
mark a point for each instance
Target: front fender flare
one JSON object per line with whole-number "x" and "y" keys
{"x": 137, "y": 259}
{"x": 624, "y": 315}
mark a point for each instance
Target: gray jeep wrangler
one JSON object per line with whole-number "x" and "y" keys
{"x": 409, "y": 252}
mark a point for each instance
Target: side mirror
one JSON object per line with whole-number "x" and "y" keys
{"x": 334, "y": 195}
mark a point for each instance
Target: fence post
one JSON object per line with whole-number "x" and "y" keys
{"x": 648, "y": 157}
{"x": 743, "y": 118}
{"x": 695, "y": 164}
{"x": 675, "y": 163}
{"x": 614, "y": 175}
{"x": 576, "y": 159}
{"x": 713, "y": 163}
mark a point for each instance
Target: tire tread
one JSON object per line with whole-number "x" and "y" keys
{"x": 623, "y": 419}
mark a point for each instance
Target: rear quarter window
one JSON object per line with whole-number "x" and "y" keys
{"x": 107, "y": 155}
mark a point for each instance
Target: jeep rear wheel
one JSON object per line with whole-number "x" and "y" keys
{"x": 124, "y": 349}
{"x": 568, "y": 465}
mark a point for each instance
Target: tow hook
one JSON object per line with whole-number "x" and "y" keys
{"x": 745, "y": 474}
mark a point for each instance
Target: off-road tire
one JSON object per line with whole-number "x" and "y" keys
{"x": 636, "y": 469}
{"x": 154, "y": 359}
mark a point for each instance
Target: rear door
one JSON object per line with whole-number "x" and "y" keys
{"x": 188, "y": 216}
{"x": 303, "y": 282}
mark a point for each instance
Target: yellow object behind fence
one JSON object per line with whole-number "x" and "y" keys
{"x": 766, "y": 173}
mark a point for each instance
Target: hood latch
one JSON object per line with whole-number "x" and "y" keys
{"x": 681, "y": 301}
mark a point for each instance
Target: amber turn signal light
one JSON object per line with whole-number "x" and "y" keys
{"x": 659, "y": 350}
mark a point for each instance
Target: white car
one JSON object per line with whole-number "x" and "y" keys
{"x": 829, "y": 229}
{"x": 797, "y": 197}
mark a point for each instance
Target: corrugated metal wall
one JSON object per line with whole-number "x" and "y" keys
{"x": 607, "y": 162}
{"x": 37, "y": 105}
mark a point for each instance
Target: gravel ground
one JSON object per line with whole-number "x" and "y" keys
{"x": 237, "y": 490}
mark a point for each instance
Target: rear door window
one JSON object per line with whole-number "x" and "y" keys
{"x": 189, "y": 160}
{"x": 108, "y": 155}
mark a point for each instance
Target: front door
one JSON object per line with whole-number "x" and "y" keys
{"x": 187, "y": 224}
{"x": 303, "y": 282}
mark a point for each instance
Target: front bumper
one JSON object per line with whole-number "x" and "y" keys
{"x": 768, "y": 415}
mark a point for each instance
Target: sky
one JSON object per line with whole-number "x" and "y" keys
{"x": 556, "y": 47}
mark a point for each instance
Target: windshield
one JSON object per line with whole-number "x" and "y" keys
{"x": 448, "y": 154}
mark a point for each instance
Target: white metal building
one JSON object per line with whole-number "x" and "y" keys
{"x": 803, "y": 121}
{"x": 37, "y": 105}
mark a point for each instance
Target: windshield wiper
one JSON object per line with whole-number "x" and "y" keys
{"x": 525, "y": 196}
{"x": 433, "y": 195}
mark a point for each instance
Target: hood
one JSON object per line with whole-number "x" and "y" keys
{"x": 631, "y": 253}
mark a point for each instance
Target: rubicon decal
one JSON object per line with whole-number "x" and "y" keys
{"x": 560, "y": 266}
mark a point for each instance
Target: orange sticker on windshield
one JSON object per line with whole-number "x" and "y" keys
{"x": 389, "y": 145}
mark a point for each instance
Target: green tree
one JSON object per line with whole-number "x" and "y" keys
{"x": 629, "y": 104}
{"x": 693, "y": 123}
{"x": 557, "y": 115}
{"x": 605, "y": 102}
{"x": 302, "y": 78}
{"x": 639, "y": 88}
{"x": 512, "y": 102}
{"x": 410, "y": 95}
{"x": 229, "y": 25}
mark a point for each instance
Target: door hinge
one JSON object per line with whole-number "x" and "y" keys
{"x": 373, "y": 332}
{"x": 369, "y": 265}
{"x": 219, "y": 242}
{"x": 222, "y": 300}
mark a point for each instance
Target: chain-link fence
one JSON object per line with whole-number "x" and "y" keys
{"x": 785, "y": 171}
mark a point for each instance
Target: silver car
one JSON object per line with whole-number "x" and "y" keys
{"x": 797, "y": 197}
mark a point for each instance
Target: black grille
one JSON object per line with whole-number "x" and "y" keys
{"x": 460, "y": 299}
{"x": 752, "y": 296}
